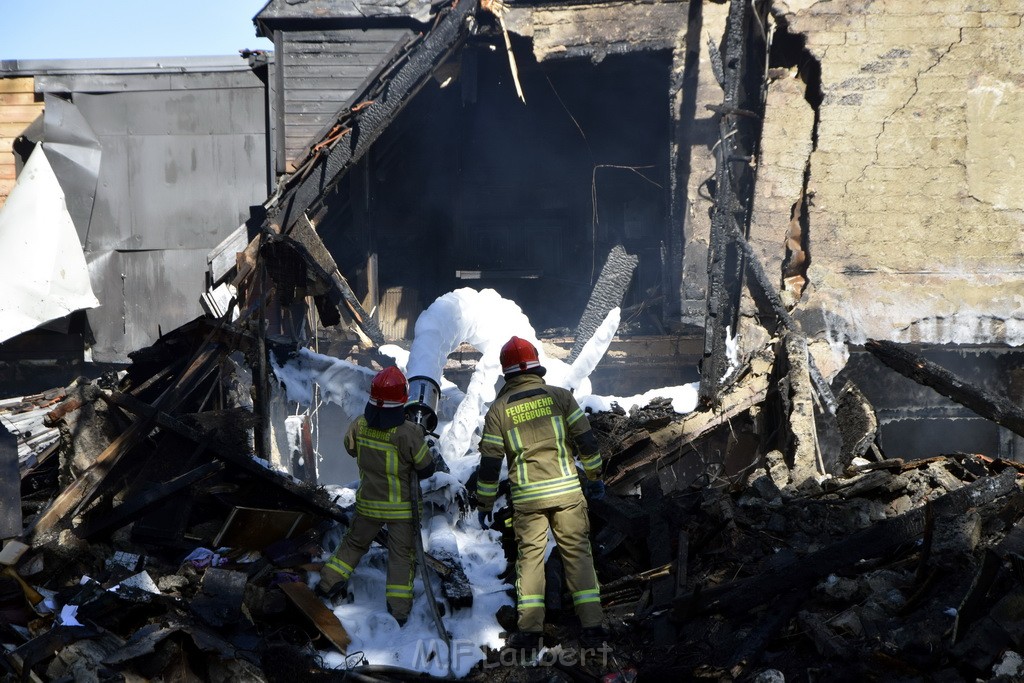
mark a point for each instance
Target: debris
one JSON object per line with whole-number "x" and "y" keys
{"x": 324, "y": 620}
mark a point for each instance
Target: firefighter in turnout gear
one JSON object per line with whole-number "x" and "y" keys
{"x": 535, "y": 427}
{"x": 388, "y": 450}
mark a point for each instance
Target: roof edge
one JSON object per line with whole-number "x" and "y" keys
{"x": 35, "y": 67}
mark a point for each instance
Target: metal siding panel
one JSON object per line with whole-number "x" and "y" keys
{"x": 162, "y": 290}
{"x": 111, "y": 224}
{"x": 106, "y": 113}
{"x": 107, "y": 322}
{"x": 101, "y": 82}
{"x": 196, "y": 112}
{"x": 190, "y": 191}
{"x": 142, "y": 293}
{"x": 220, "y": 80}
{"x": 74, "y": 153}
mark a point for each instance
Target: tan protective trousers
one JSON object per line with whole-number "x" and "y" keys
{"x": 570, "y": 526}
{"x": 401, "y": 560}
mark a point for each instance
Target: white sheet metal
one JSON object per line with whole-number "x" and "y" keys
{"x": 42, "y": 268}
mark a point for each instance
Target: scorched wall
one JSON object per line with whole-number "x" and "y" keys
{"x": 914, "y": 205}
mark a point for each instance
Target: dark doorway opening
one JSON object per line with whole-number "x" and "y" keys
{"x": 470, "y": 187}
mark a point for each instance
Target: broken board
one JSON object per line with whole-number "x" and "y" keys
{"x": 314, "y": 609}
{"x": 255, "y": 528}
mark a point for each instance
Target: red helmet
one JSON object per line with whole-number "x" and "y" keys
{"x": 389, "y": 388}
{"x": 518, "y": 355}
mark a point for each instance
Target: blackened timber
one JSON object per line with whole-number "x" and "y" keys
{"x": 313, "y": 607}
{"x": 370, "y": 121}
{"x": 223, "y": 452}
{"x": 10, "y": 486}
{"x": 81, "y": 491}
{"x": 304, "y": 239}
{"x": 135, "y": 507}
{"x": 608, "y": 292}
{"x": 923, "y": 371}
{"x": 725, "y": 267}
{"x": 762, "y": 289}
{"x": 743, "y": 595}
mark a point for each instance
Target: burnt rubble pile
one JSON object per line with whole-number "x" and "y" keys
{"x": 154, "y": 545}
{"x": 760, "y": 569}
{"x": 150, "y": 543}
{"x": 893, "y": 571}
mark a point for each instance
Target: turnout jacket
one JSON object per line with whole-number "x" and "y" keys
{"x": 386, "y": 459}
{"x": 539, "y": 429}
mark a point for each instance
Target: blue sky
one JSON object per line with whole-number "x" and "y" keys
{"x": 67, "y": 29}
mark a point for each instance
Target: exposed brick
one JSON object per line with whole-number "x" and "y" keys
{"x": 991, "y": 20}
{"x": 826, "y": 39}
{"x": 823, "y": 23}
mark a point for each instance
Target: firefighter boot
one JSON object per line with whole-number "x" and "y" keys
{"x": 332, "y": 585}
{"x": 593, "y": 637}
{"x": 525, "y": 644}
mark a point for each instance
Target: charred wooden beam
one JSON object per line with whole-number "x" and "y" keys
{"x": 608, "y": 292}
{"x": 368, "y": 119}
{"x": 725, "y": 260}
{"x": 225, "y": 452}
{"x": 305, "y": 240}
{"x": 137, "y": 506}
{"x": 764, "y": 293}
{"x": 923, "y": 371}
{"x": 745, "y": 594}
{"x": 670, "y": 443}
{"x": 807, "y": 463}
{"x": 81, "y": 491}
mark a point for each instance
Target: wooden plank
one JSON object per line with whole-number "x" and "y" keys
{"x": 224, "y": 256}
{"x": 12, "y": 130}
{"x": 312, "y": 250}
{"x": 319, "y": 108}
{"x": 668, "y": 444}
{"x": 315, "y": 64}
{"x": 923, "y": 371}
{"x": 251, "y": 528}
{"x": 81, "y": 490}
{"x": 8, "y": 85}
{"x": 139, "y": 505}
{"x": 18, "y": 98}
{"x": 298, "y": 73}
{"x": 20, "y": 113}
{"x": 345, "y": 36}
{"x": 316, "y": 612}
{"x": 222, "y": 452}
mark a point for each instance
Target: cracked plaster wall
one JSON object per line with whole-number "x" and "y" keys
{"x": 917, "y": 207}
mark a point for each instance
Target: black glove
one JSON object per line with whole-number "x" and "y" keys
{"x": 595, "y": 489}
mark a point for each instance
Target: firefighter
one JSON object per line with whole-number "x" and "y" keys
{"x": 387, "y": 449}
{"x": 535, "y": 427}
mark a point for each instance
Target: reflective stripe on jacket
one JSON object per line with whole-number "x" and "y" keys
{"x": 539, "y": 429}
{"x": 386, "y": 458}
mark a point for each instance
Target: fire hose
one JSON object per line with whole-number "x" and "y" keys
{"x": 421, "y": 562}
